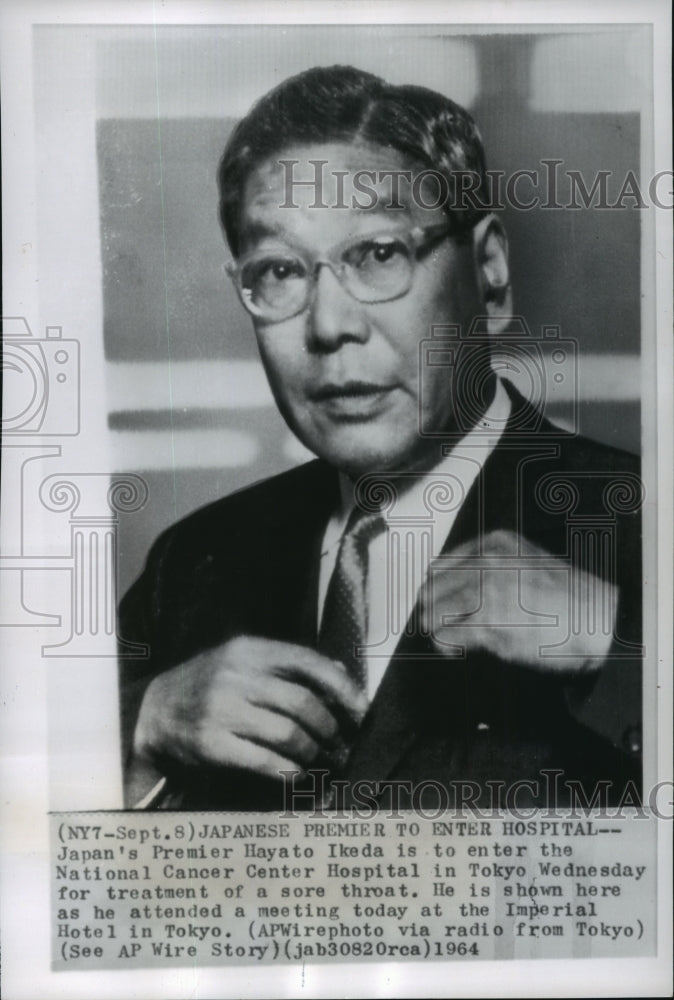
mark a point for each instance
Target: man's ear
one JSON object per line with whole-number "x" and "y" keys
{"x": 490, "y": 245}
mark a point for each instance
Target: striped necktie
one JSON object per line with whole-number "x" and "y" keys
{"x": 344, "y": 625}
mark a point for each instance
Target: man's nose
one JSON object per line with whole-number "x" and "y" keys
{"x": 335, "y": 316}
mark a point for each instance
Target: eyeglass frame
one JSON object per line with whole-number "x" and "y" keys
{"x": 423, "y": 238}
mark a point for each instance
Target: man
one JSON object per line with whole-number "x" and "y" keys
{"x": 412, "y": 608}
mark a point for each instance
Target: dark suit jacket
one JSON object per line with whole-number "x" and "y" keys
{"x": 248, "y": 564}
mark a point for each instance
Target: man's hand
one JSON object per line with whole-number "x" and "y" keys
{"x": 252, "y": 703}
{"x": 518, "y": 602}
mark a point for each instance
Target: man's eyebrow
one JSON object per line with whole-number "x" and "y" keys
{"x": 382, "y": 206}
{"x": 257, "y": 229}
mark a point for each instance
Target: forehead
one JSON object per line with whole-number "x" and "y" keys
{"x": 331, "y": 190}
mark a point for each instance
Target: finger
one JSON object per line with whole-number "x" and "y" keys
{"x": 507, "y": 543}
{"x": 301, "y": 704}
{"x": 455, "y": 642}
{"x": 278, "y": 732}
{"x": 450, "y": 597}
{"x": 247, "y": 755}
{"x": 328, "y": 678}
{"x": 467, "y": 550}
{"x": 445, "y": 582}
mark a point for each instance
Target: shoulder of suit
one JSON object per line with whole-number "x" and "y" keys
{"x": 586, "y": 454}
{"x": 581, "y": 453}
{"x": 291, "y": 498}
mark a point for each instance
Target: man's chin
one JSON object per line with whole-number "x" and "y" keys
{"x": 372, "y": 459}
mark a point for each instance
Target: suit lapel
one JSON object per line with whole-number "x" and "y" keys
{"x": 399, "y": 714}
{"x": 389, "y": 728}
{"x": 287, "y": 608}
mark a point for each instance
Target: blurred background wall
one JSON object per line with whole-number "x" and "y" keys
{"x": 188, "y": 405}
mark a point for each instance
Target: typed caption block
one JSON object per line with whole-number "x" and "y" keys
{"x": 139, "y": 890}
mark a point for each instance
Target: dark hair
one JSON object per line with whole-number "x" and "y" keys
{"x": 340, "y": 103}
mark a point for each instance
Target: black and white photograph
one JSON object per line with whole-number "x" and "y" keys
{"x": 336, "y": 563}
{"x": 266, "y": 653}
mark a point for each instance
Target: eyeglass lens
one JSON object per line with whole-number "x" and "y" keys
{"x": 372, "y": 270}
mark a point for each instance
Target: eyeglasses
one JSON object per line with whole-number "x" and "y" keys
{"x": 277, "y": 284}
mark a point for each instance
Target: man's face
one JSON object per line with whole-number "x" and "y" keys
{"x": 345, "y": 374}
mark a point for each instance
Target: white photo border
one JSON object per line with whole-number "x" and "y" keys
{"x": 27, "y": 779}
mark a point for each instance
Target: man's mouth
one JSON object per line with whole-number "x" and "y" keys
{"x": 354, "y": 399}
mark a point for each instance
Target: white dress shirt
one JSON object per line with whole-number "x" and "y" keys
{"x": 417, "y": 527}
